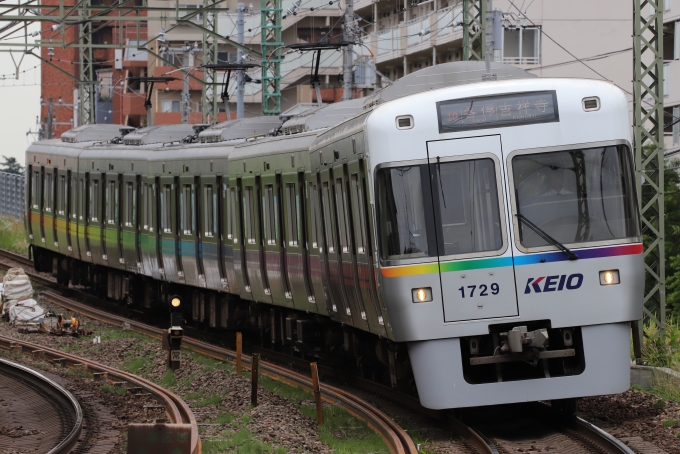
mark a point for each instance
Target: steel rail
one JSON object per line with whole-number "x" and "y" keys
{"x": 177, "y": 411}
{"x": 395, "y": 437}
{"x": 398, "y": 441}
{"x": 39, "y": 380}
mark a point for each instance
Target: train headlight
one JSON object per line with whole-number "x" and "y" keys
{"x": 175, "y": 301}
{"x": 421, "y": 295}
{"x": 609, "y": 277}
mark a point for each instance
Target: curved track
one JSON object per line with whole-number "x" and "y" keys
{"x": 177, "y": 411}
{"x": 39, "y": 415}
{"x": 566, "y": 435}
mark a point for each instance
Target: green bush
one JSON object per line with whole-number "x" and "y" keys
{"x": 661, "y": 350}
{"x": 13, "y": 236}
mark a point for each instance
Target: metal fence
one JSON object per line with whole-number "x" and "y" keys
{"x": 11, "y": 195}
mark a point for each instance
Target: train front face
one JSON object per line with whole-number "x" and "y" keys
{"x": 509, "y": 238}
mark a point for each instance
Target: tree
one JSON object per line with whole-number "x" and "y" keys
{"x": 672, "y": 238}
{"x": 11, "y": 166}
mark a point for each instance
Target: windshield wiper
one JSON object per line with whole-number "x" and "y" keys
{"x": 540, "y": 232}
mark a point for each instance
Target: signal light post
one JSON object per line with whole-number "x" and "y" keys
{"x": 174, "y": 334}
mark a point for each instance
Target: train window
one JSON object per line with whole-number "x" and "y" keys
{"x": 576, "y": 196}
{"x": 468, "y": 214}
{"x": 358, "y": 209}
{"x": 61, "y": 199}
{"x": 166, "y": 207}
{"x": 129, "y": 203}
{"x": 402, "y": 212}
{"x": 148, "y": 213}
{"x": 292, "y": 214}
{"x": 269, "y": 215}
{"x": 94, "y": 201}
{"x": 341, "y": 208}
{"x": 313, "y": 199}
{"x": 186, "y": 203}
{"x": 231, "y": 213}
{"x": 248, "y": 215}
{"x": 48, "y": 192}
{"x": 111, "y": 202}
{"x": 74, "y": 192}
{"x": 210, "y": 204}
{"x": 325, "y": 200}
{"x": 35, "y": 190}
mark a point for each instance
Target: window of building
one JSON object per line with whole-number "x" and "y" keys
{"x": 168, "y": 105}
{"x": 292, "y": 215}
{"x": 521, "y": 46}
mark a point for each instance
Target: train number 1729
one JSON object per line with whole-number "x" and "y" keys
{"x": 470, "y": 290}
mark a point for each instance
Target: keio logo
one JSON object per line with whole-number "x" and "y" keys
{"x": 554, "y": 283}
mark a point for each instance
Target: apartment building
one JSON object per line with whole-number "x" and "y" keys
{"x": 180, "y": 45}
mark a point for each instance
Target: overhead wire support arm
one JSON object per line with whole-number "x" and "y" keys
{"x": 316, "y": 62}
{"x": 151, "y": 81}
{"x": 228, "y": 67}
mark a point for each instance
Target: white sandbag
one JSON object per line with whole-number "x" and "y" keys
{"x": 26, "y": 312}
{"x": 16, "y": 285}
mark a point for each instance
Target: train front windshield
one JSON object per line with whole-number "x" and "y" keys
{"x": 453, "y": 208}
{"x": 577, "y": 196}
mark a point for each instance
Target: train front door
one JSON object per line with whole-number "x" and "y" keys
{"x": 475, "y": 260}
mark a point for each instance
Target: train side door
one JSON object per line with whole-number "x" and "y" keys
{"x": 475, "y": 262}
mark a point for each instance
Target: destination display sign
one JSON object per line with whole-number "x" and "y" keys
{"x": 497, "y": 111}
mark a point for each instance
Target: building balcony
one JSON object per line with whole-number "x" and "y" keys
{"x": 195, "y": 118}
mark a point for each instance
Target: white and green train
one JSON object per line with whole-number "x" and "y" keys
{"x": 477, "y": 240}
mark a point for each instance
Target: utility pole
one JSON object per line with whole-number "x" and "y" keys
{"x": 648, "y": 140}
{"x": 347, "y": 58}
{"x": 240, "y": 77}
{"x": 271, "y": 56}
{"x": 186, "y": 94}
{"x": 474, "y": 12}
{"x": 50, "y": 119}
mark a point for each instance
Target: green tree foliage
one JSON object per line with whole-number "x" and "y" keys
{"x": 672, "y": 238}
{"x": 11, "y": 166}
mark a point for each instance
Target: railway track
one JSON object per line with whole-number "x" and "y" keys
{"x": 565, "y": 435}
{"x": 176, "y": 410}
{"x": 39, "y": 415}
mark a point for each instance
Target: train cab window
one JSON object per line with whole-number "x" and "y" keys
{"x": 248, "y": 215}
{"x": 341, "y": 207}
{"x": 166, "y": 207}
{"x": 187, "y": 209}
{"x": 48, "y": 192}
{"x": 112, "y": 202}
{"x": 35, "y": 190}
{"x": 210, "y": 204}
{"x": 62, "y": 196}
{"x": 576, "y": 196}
{"x": 94, "y": 201}
{"x": 358, "y": 205}
{"x": 468, "y": 212}
{"x": 402, "y": 210}
{"x": 325, "y": 200}
{"x": 269, "y": 216}
{"x": 129, "y": 204}
{"x": 292, "y": 215}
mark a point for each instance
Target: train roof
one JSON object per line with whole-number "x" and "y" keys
{"x": 94, "y": 133}
{"x": 323, "y": 117}
{"x": 239, "y": 129}
{"x": 441, "y": 76}
{"x": 159, "y": 134}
